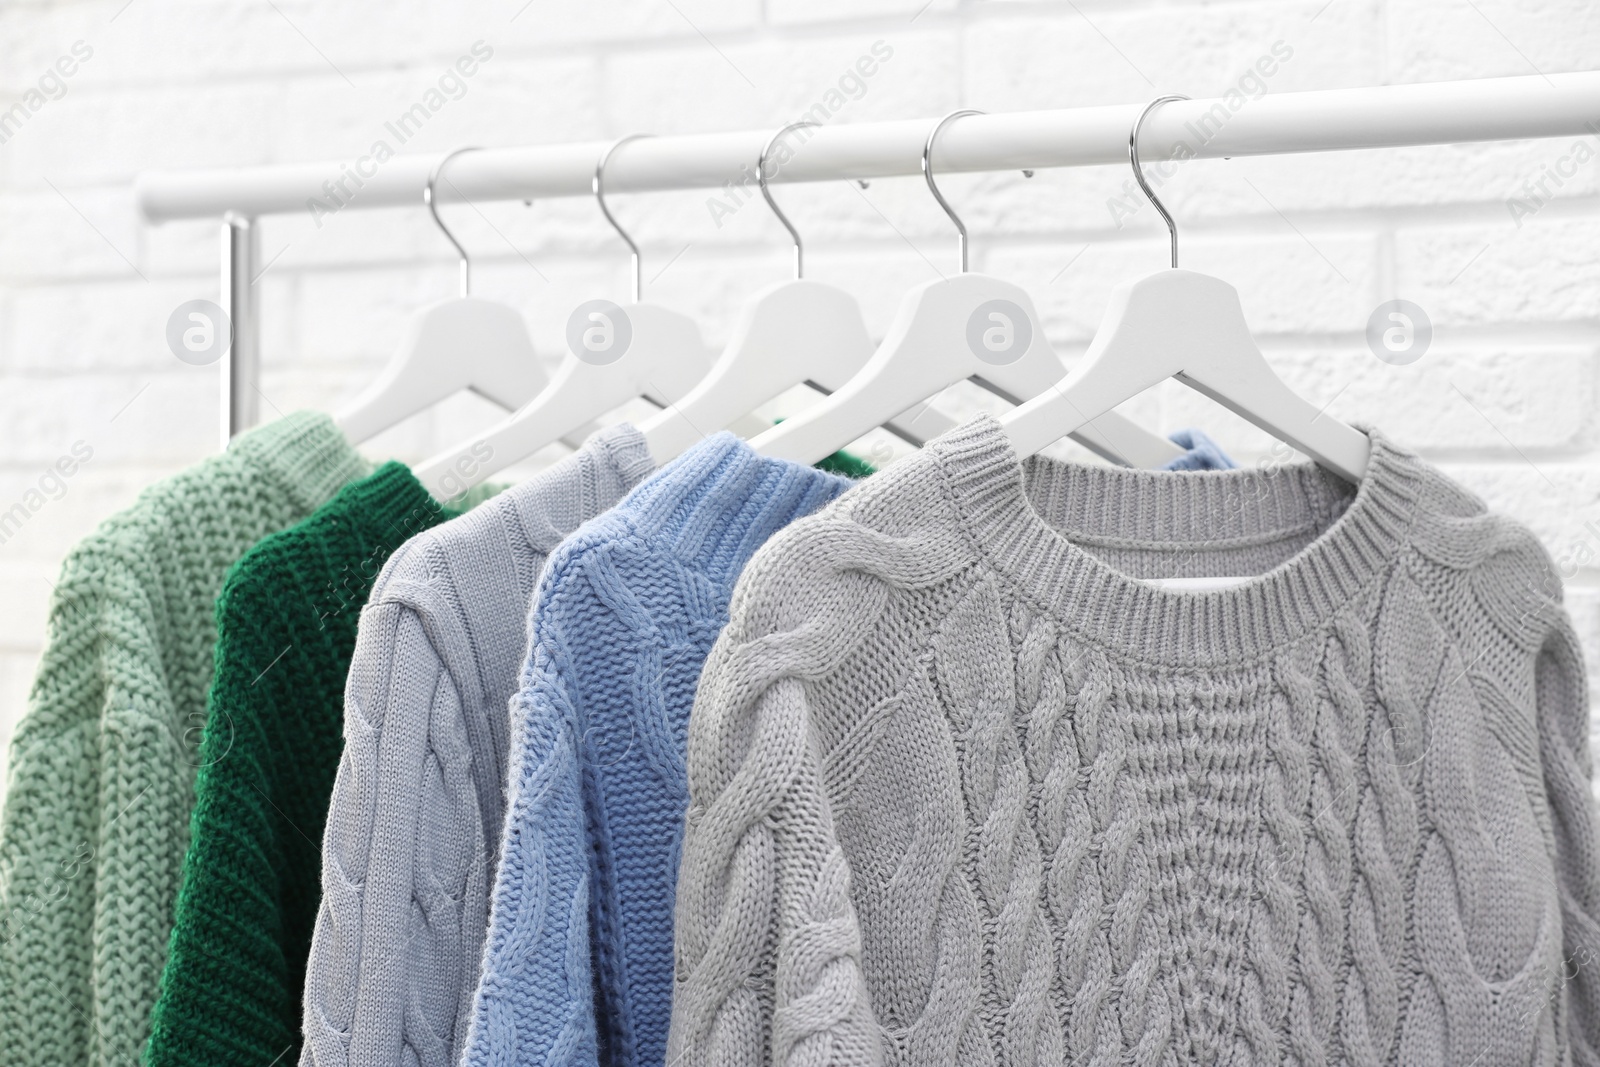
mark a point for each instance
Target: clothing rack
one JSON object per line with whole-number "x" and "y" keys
{"x": 1490, "y": 109}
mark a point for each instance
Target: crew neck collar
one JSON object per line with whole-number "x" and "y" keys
{"x": 305, "y": 453}
{"x": 721, "y": 500}
{"x": 1020, "y": 515}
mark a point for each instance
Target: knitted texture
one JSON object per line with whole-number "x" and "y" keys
{"x": 847, "y": 464}
{"x": 581, "y": 920}
{"x": 843, "y": 463}
{"x": 413, "y": 828}
{"x": 102, "y": 764}
{"x": 964, "y": 790}
{"x": 286, "y": 626}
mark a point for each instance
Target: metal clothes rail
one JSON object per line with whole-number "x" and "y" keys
{"x": 1490, "y": 109}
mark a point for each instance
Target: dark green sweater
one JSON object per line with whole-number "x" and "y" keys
{"x": 286, "y": 622}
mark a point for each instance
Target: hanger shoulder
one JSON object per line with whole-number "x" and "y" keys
{"x": 1225, "y": 363}
{"x": 663, "y": 358}
{"x": 1271, "y": 404}
{"x": 668, "y": 356}
{"x": 966, "y": 326}
{"x": 1180, "y": 323}
{"x": 814, "y": 329}
{"x": 924, "y": 351}
{"x": 461, "y": 343}
{"x": 1112, "y": 436}
{"x": 788, "y": 334}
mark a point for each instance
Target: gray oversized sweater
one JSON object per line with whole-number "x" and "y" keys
{"x": 963, "y": 790}
{"x": 413, "y": 831}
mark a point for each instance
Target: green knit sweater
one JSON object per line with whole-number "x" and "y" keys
{"x": 286, "y": 624}
{"x": 102, "y": 764}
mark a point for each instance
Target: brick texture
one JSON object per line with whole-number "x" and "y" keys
{"x": 1495, "y": 242}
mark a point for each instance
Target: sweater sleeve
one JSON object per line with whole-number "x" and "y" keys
{"x": 49, "y": 840}
{"x": 535, "y": 999}
{"x": 225, "y": 957}
{"x": 1563, "y": 711}
{"x": 767, "y": 943}
{"x": 89, "y": 856}
{"x": 403, "y": 868}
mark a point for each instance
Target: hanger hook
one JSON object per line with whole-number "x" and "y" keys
{"x": 761, "y": 178}
{"x": 429, "y": 199}
{"x": 927, "y": 172}
{"x": 1138, "y": 171}
{"x": 600, "y": 195}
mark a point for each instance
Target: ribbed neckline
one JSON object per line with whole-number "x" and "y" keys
{"x": 391, "y": 504}
{"x": 1000, "y": 499}
{"x": 627, "y": 451}
{"x": 306, "y": 452}
{"x": 721, "y": 500}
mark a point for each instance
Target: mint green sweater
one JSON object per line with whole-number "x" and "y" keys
{"x": 103, "y": 762}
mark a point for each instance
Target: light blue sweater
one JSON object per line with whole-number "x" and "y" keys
{"x": 624, "y": 615}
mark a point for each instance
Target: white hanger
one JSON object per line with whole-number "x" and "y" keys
{"x": 616, "y": 355}
{"x": 791, "y": 333}
{"x": 463, "y": 343}
{"x": 969, "y": 326}
{"x": 1189, "y": 326}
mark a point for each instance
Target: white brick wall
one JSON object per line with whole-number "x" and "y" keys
{"x": 1505, "y": 400}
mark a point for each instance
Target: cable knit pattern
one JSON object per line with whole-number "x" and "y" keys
{"x": 619, "y": 627}
{"x": 973, "y": 657}
{"x": 1337, "y": 814}
{"x": 413, "y": 828}
{"x": 103, "y": 762}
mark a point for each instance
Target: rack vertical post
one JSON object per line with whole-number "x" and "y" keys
{"x": 241, "y": 366}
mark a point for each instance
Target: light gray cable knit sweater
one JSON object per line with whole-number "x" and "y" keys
{"x": 409, "y": 852}
{"x": 962, "y": 791}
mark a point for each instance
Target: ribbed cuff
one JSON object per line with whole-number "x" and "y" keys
{"x": 390, "y": 506}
